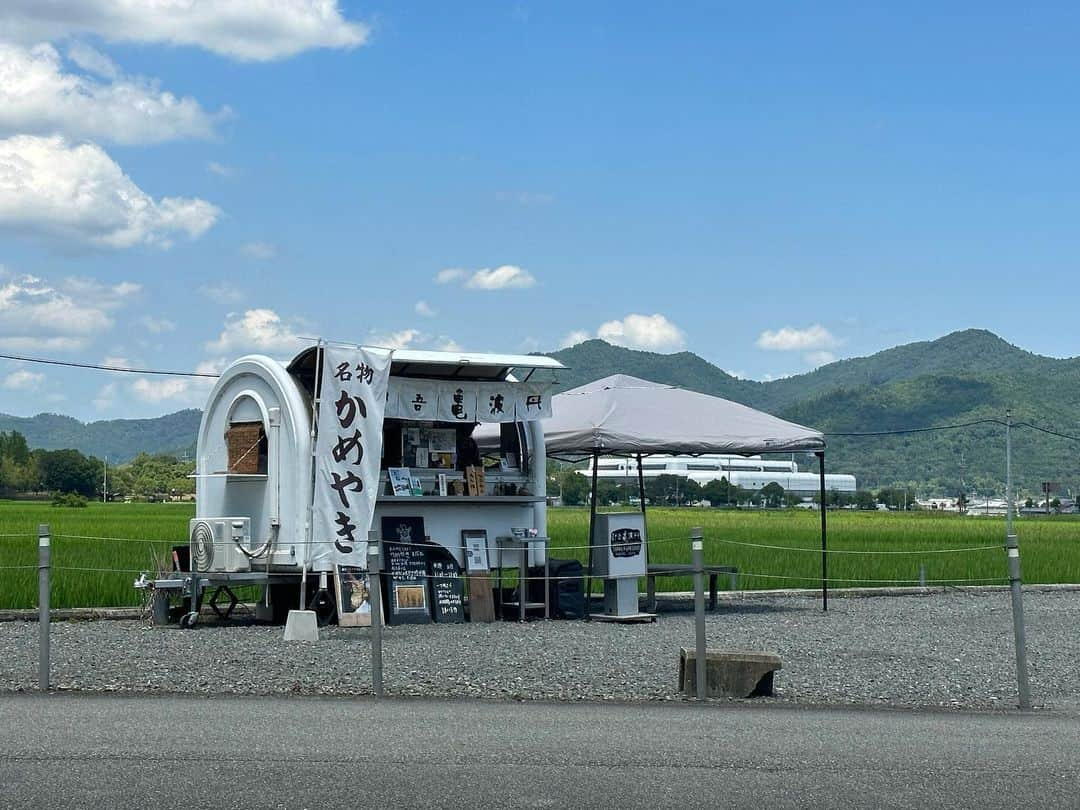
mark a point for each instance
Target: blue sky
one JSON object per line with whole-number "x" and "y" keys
{"x": 770, "y": 186}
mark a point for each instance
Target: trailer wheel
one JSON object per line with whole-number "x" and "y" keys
{"x": 188, "y": 620}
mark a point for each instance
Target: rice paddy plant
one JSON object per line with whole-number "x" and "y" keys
{"x": 86, "y": 572}
{"x": 772, "y": 549}
{"x": 782, "y": 549}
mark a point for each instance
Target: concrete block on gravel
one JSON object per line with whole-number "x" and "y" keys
{"x": 729, "y": 674}
{"x": 301, "y": 626}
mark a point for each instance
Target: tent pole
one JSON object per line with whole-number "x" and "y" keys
{"x": 641, "y": 500}
{"x": 592, "y": 524}
{"x": 824, "y": 533}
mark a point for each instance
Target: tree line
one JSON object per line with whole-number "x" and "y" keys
{"x": 24, "y": 471}
{"x": 675, "y": 490}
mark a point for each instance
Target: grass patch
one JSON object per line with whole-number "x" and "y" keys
{"x": 165, "y": 524}
{"x": 1050, "y": 547}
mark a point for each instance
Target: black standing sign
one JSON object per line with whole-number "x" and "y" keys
{"x": 446, "y": 589}
{"x": 406, "y": 592}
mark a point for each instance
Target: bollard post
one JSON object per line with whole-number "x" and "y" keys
{"x": 922, "y": 575}
{"x": 1012, "y": 550}
{"x": 44, "y": 562}
{"x": 375, "y": 582}
{"x": 698, "y": 549}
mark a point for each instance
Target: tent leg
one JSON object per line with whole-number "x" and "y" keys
{"x": 641, "y": 498}
{"x": 824, "y": 533}
{"x": 592, "y": 524}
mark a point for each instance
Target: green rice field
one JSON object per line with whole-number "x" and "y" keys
{"x": 98, "y": 551}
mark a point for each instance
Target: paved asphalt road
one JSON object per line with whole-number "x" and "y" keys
{"x": 110, "y": 752}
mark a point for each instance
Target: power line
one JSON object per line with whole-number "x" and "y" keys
{"x": 902, "y": 431}
{"x": 1047, "y": 430}
{"x": 71, "y": 364}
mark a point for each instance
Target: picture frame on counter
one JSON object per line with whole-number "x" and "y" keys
{"x": 475, "y": 544}
{"x": 400, "y": 481}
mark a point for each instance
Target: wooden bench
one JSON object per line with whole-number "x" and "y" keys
{"x": 682, "y": 570}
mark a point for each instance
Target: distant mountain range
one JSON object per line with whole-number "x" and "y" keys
{"x": 962, "y": 377}
{"x": 119, "y": 439}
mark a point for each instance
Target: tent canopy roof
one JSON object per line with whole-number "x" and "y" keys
{"x": 624, "y": 415}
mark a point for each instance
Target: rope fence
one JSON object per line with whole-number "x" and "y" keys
{"x": 561, "y": 547}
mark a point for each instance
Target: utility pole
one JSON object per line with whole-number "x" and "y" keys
{"x": 105, "y": 481}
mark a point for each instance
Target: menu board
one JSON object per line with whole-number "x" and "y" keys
{"x": 447, "y": 591}
{"x": 406, "y": 591}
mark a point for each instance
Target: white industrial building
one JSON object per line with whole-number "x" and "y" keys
{"x": 747, "y": 472}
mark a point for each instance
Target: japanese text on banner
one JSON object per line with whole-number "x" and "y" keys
{"x": 347, "y": 453}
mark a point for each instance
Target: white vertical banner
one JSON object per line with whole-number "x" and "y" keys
{"x": 352, "y": 402}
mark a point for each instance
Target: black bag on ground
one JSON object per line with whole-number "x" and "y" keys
{"x": 566, "y": 588}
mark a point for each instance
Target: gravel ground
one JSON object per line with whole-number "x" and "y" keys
{"x": 951, "y": 649}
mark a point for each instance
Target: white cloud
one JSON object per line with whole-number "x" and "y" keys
{"x": 424, "y": 310}
{"x": 819, "y": 358}
{"x": 157, "y": 325}
{"x": 261, "y": 251}
{"x": 222, "y": 292}
{"x": 815, "y": 337}
{"x": 161, "y": 388}
{"x": 220, "y": 169}
{"x": 24, "y": 343}
{"x": 77, "y": 192}
{"x": 38, "y": 97}
{"x": 250, "y": 30}
{"x": 401, "y": 339}
{"x": 90, "y": 292}
{"x": 651, "y": 332}
{"x": 446, "y": 344}
{"x": 215, "y": 366}
{"x": 260, "y": 330}
{"x": 35, "y": 315}
{"x": 23, "y": 380}
{"x": 178, "y": 391}
{"x": 500, "y": 278}
{"x": 116, "y": 362}
{"x": 105, "y": 397}
{"x": 574, "y": 338}
{"x": 450, "y": 275}
{"x": 93, "y": 61}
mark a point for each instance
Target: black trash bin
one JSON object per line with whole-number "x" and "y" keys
{"x": 566, "y": 591}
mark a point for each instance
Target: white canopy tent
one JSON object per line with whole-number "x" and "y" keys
{"x": 627, "y": 416}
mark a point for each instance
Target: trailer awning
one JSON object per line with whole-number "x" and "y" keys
{"x": 432, "y": 365}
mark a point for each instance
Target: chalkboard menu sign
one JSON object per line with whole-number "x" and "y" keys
{"x": 406, "y": 592}
{"x": 447, "y": 590}
{"x": 402, "y": 529}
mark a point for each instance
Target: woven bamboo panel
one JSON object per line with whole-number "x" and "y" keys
{"x": 242, "y": 440}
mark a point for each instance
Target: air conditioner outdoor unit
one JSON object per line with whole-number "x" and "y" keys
{"x": 214, "y": 544}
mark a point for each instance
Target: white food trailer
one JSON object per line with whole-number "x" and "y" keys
{"x": 255, "y": 469}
